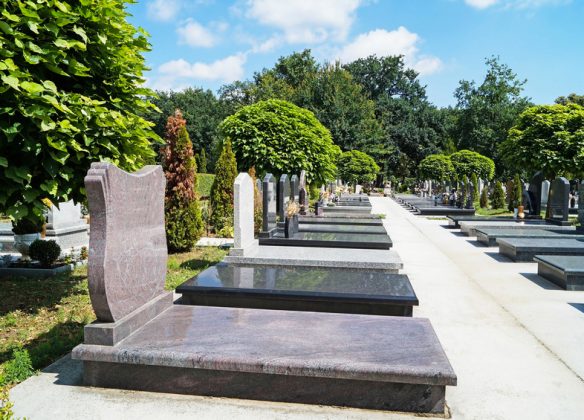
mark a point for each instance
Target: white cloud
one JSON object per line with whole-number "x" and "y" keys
{"x": 196, "y": 35}
{"x": 381, "y": 43}
{"x": 515, "y": 4}
{"x": 266, "y": 46}
{"x": 163, "y": 10}
{"x": 306, "y": 21}
{"x": 481, "y": 4}
{"x": 177, "y": 74}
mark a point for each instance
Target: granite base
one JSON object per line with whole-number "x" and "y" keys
{"x": 566, "y": 272}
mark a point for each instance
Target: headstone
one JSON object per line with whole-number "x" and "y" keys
{"x": 581, "y": 204}
{"x": 127, "y": 247}
{"x": 545, "y": 189}
{"x": 302, "y": 193}
{"x": 243, "y": 226}
{"x": 294, "y": 189}
{"x": 469, "y": 203}
{"x": 283, "y": 196}
{"x": 558, "y": 203}
{"x": 269, "y": 208}
{"x": 535, "y": 193}
{"x": 66, "y": 226}
{"x": 259, "y": 185}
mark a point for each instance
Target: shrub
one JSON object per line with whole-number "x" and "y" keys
{"x": 221, "y": 199}
{"x": 436, "y": 167}
{"x": 518, "y": 191}
{"x": 484, "y": 198}
{"x": 355, "y": 166}
{"x": 45, "y": 252}
{"x": 467, "y": 162}
{"x": 184, "y": 225}
{"x": 498, "y": 198}
{"x": 257, "y": 203}
{"x": 202, "y": 161}
{"x": 18, "y": 368}
{"x": 510, "y": 188}
{"x": 204, "y": 184}
{"x": 27, "y": 226}
{"x": 226, "y": 232}
{"x": 84, "y": 254}
{"x": 475, "y": 187}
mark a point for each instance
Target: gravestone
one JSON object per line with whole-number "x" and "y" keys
{"x": 294, "y": 188}
{"x": 558, "y": 203}
{"x": 469, "y": 203}
{"x": 535, "y": 192}
{"x": 283, "y": 196}
{"x": 127, "y": 247}
{"x": 581, "y": 204}
{"x": 66, "y": 226}
{"x": 302, "y": 193}
{"x": 545, "y": 189}
{"x": 269, "y": 208}
{"x": 243, "y": 228}
{"x": 259, "y": 185}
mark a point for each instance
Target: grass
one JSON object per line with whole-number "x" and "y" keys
{"x": 493, "y": 212}
{"x": 43, "y": 318}
{"x": 204, "y": 183}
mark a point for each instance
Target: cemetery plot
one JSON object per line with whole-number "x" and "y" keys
{"x": 301, "y": 289}
{"x": 566, "y": 271}
{"x": 470, "y": 228}
{"x": 343, "y": 228}
{"x": 332, "y": 240}
{"x": 430, "y": 207}
{"x": 522, "y": 249}
{"x": 368, "y": 220}
{"x": 489, "y": 237}
{"x": 454, "y": 221}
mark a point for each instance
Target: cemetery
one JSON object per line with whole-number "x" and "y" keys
{"x": 291, "y": 210}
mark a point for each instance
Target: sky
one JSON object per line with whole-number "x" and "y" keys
{"x": 208, "y": 43}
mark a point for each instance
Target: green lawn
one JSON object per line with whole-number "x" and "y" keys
{"x": 45, "y": 317}
{"x": 493, "y": 212}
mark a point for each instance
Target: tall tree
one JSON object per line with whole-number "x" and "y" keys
{"x": 572, "y": 98}
{"x": 72, "y": 94}
{"x": 487, "y": 111}
{"x": 355, "y": 166}
{"x": 222, "y": 189}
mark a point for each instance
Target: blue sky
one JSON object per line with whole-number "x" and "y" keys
{"x": 207, "y": 43}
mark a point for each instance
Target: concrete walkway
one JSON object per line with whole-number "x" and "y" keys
{"x": 514, "y": 340}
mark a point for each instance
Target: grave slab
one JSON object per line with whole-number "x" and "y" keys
{"x": 301, "y": 289}
{"x": 367, "y": 361}
{"x": 469, "y": 228}
{"x": 454, "y": 221}
{"x": 566, "y": 271}
{"x": 489, "y": 237}
{"x": 330, "y": 240}
{"x": 369, "y": 220}
{"x": 522, "y": 249}
{"x": 343, "y": 228}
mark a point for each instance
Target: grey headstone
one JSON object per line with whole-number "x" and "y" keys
{"x": 581, "y": 203}
{"x": 535, "y": 192}
{"x": 545, "y": 189}
{"x": 283, "y": 196}
{"x": 269, "y": 209}
{"x": 558, "y": 203}
{"x": 303, "y": 200}
{"x": 259, "y": 185}
{"x": 127, "y": 246}
{"x": 294, "y": 188}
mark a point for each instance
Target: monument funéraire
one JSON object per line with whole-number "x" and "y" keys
{"x": 294, "y": 189}
{"x": 269, "y": 207}
{"x": 558, "y": 202}
{"x": 283, "y": 196}
{"x": 243, "y": 223}
{"x": 66, "y": 227}
{"x": 534, "y": 191}
{"x": 302, "y": 193}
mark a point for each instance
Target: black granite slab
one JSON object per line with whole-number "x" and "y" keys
{"x": 489, "y": 237}
{"x": 330, "y": 240}
{"x": 567, "y": 271}
{"x": 454, "y": 220}
{"x": 361, "y": 219}
{"x": 301, "y": 289}
{"x": 342, "y": 228}
{"x": 366, "y": 361}
{"x": 443, "y": 211}
{"x": 347, "y": 209}
{"x": 525, "y": 249}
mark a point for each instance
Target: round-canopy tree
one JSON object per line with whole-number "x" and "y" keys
{"x": 467, "y": 162}
{"x": 436, "y": 167}
{"x": 71, "y": 75}
{"x": 279, "y": 137}
{"x": 355, "y": 166}
{"x": 549, "y": 138}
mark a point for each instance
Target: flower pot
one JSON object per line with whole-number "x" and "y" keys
{"x": 22, "y": 243}
{"x": 520, "y": 212}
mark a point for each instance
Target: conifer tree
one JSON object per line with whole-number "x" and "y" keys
{"x": 222, "y": 189}
{"x": 484, "y": 198}
{"x": 498, "y": 198}
{"x": 202, "y": 162}
{"x": 475, "y": 187}
{"x": 184, "y": 225}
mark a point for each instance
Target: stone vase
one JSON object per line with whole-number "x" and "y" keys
{"x": 22, "y": 243}
{"x": 521, "y": 212}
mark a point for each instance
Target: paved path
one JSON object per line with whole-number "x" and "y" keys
{"x": 514, "y": 340}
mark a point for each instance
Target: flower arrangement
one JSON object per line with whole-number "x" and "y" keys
{"x": 292, "y": 209}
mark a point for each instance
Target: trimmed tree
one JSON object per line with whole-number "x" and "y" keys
{"x": 279, "y": 137}
{"x": 467, "y": 162}
{"x": 484, "y": 202}
{"x": 355, "y": 166}
{"x": 498, "y": 197}
{"x": 72, "y": 94}
{"x": 436, "y": 167}
{"x": 202, "y": 161}
{"x": 221, "y": 200}
{"x": 184, "y": 225}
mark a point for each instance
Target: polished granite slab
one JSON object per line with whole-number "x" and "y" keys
{"x": 443, "y": 211}
{"x": 566, "y": 271}
{"x": 367, "y": 361}
{"x": 469, "y": 228}
{"x": 525, "y": 249}
{"x": 301, "y": 289}
{"x": 454, "y": 221}
{"x": 329, "y": 239}
{"x": 342, "y": 228}
{"x": 363, "y": 259}
{"x": 361, "y": 219}
{"x": 352, "y": 204}
{"x": 347, "y": 210}
{"x": 489, "y": 236}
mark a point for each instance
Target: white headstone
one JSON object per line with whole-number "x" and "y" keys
{"x": 545, "y": 189}
{"x": 243, "y": 214}
{"x": 68, "y": 214}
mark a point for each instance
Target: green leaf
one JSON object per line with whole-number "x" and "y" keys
{"x": 3, "y": 161}
{"x": 32, "y": 87}
{"x": 4, "y": 27}
{"x": 79, "y": 31}
{"x": 30, "y": 195}
{"x": 11, "y": 81}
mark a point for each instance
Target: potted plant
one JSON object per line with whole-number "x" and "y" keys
{"x": 26, "y": 231}
{"x": 291, "y": 222}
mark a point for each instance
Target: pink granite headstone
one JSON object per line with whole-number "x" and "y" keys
{"x": 127, "y": 245}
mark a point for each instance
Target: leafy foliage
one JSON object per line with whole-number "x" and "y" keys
{"x": 45, "y": 252}
{"x": 484, "y": 201}
{"x": 222, "y": 190}
{"x": 548, "y": 138}
{"x": 498, "y": 197}
{"x": 18, "y": 368}
{"x": 204, "y": 184}
{"x": 28, "y": 225}
{"x": 466, "y": 163}
{"x": 71, "y": 92}
{"x": 436, "y": 167}
{"x": 475, "y": 185}
{"x": 202, "y": 161}
{"x": 518, "y": 190}
{"x": 486, "y": 112}
{"x": 279, "y": 137}
{"x": 572, "y": 98}
{"x": 184, "y": 225}
{"x": 355, "y": 167}
{"x": 257, "y": 203}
